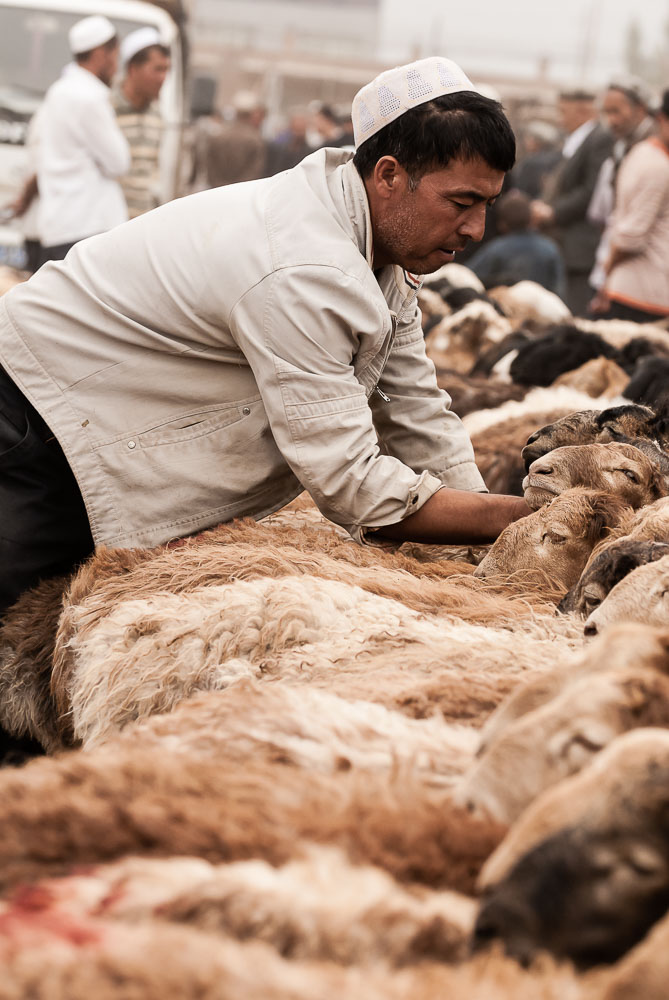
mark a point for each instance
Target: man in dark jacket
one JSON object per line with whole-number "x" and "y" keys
{"x": 568, "y": 190}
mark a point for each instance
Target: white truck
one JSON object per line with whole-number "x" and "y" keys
{"x": 34, "y": 50}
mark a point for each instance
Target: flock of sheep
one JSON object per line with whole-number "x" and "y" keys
{"x": 281, "y": 765}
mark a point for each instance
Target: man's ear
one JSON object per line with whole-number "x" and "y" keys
{"x": 387, "y": 177}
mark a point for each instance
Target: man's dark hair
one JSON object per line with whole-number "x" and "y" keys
{"x": 513, "y": 211}
{"x": 82, "y": 57}
{"x": 664, "y": 108}
{"x": 463, "y": 125}
{"x": 143, "y": 55}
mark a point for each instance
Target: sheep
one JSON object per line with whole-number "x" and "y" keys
{"x": 620, "y": 332}
{"x": 585, "y": 871}
{"x": 605, "y": 568}
{"x": 469, "y": 394}
{"x": 157, "y": 961}
{"x": 648, "y": 384}
{"x": 624, "y": 785}
{"x": 596, "y": 377}
{"x": 642, "y": 975}
{"x": 559, "y": 737}
{"x": 621, "y": 469}
{"x": 618, "y": 648}
{"x": 453, "y": 276}
{"x": 457, "y": 339}
{"x": 527, "y": 301}
{"x": 81, "y": 959}
{"x": 244, "y": 550}
{"x": 145, "y": 655}
{"x": 97, "y": 806}
{"x": 551, "y": 546}
{"x": 319, "y": 906}
{"x": 641, "y": 596}
{"x": 498, "y": 436}
{"x": 628, "y": 421}
{"x": 560, "y": 349}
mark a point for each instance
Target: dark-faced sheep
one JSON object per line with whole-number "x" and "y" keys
{"x": 585, "y": 870}
{"x": 586, "y": 426}
{"x": 641, "y": 596}
{"x": 606, "y": 568}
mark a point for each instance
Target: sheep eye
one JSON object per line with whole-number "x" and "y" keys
{"x": 591, "y": 602}
{"x": 553, "y": 537}
{"x": 632, "y": 476}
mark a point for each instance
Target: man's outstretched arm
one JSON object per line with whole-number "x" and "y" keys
{"x": 456, "y": 517}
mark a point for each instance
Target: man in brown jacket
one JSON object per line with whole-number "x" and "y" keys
{"x": 236, "y": 150}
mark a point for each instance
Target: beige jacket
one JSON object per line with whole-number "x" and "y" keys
{"x": 211, "y": 358}
{"x": 640, "y": 226}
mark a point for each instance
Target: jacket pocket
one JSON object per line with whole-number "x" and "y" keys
{"x": 191, "y": 426}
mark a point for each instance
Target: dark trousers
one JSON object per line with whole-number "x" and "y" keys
{"x": 619, "y": 310}
{"x": 58, "y": 252}
{"x": 44, "y": 529}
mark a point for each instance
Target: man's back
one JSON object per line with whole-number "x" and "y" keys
{"x": 235, "y": 153}
{"x": 81, "y": 152}
{"x": 519, "y": 257}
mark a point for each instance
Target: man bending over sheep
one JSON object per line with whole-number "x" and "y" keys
{"x": 214, "y": 357}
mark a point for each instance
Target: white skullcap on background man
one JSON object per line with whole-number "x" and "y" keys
{"x": 136, "y": 41}
{"x": 90, "y": 32}
{"x": 398, "y": 90}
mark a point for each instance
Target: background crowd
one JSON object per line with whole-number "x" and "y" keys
{"x": 585, "y": 212}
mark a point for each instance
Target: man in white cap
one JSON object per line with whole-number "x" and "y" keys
{"x": 145, "y": 62}
{"x": 82, "y": 151}
{"x": 217, "y": 356}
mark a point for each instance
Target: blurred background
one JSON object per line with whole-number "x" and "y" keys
{"x": 302, "y": 61}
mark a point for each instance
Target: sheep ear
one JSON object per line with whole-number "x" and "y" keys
{"x": 607, "y": 512}
{"x": 568, "y": 602}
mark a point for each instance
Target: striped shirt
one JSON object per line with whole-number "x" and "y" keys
{"x": 143, "y": 131}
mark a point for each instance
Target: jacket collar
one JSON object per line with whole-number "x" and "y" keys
{"x": 350, "y": 197}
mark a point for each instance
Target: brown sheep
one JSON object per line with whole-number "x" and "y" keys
{"x": 596, "y": 377}
{"x": 618, "y": 468}
{"x": 587, "y": 426}
{"x": 552, "y": 545}
{"x": 619, "y": 647}
{"x": 585, "y": 871}
{"x": 319, "y": 906}
{"x": 91, "y": 807}
{"x": 560, "y": 737}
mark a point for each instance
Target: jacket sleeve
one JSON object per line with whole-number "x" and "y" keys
{"x": 572, "y": 204}
{"x": 415, "y": 423}
{"x": 303, "y": 330}
{"x": 104, "y": 139}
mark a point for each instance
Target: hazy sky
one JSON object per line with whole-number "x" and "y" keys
{"x": 582, "y": 39}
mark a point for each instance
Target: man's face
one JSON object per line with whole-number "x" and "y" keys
{"x": 573, "y": 114}
{"x": 421, "y": 229}
{"x": 108, "y": 64}
{"x": 149, "y": 76}
{"x": 622, "y": 115}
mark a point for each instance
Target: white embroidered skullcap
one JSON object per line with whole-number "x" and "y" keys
{"x": 397, "y": 90}
{"x": 133, "y": 43}
{"x": 90, "y": 32}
